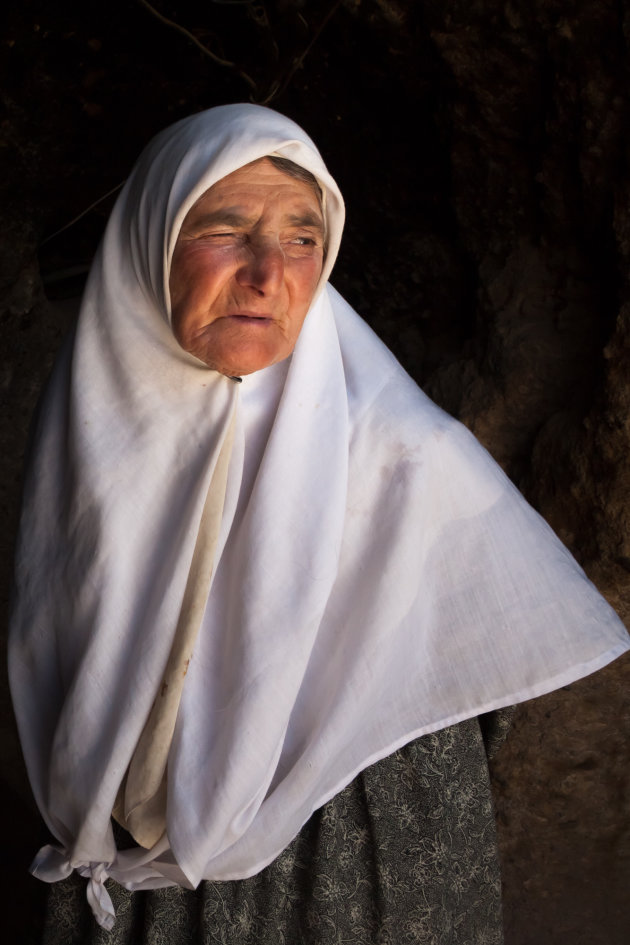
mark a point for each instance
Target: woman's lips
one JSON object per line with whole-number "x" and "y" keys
{"x": 251, "y": 316}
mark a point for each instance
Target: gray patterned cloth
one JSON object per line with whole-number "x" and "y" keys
{"x": 405, "y": 855}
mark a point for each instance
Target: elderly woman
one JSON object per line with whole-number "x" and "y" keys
{"x": 260, "y": 578}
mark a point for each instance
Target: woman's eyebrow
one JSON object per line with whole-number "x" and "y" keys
{"x": 227, "y": 216}
{"x": 305, "y": 219}
{"x": 234, "y": 217}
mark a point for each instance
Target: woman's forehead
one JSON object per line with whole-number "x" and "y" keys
{"x": 254, "y": 185}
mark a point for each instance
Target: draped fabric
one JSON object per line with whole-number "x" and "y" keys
{"x": 318, "y": 562}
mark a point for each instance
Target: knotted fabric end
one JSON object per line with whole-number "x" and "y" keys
{"x": 99, "y": 899}
{"x": 51, "y": 865}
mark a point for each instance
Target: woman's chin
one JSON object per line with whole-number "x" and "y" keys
{"x": 242, "y": 344}
{"x": 247, "y": 359}
{"x": 238, "y": 346}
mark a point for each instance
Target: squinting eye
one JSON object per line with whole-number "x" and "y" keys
{"x": 303, "y": 241}
{"x": 223, "y": 239}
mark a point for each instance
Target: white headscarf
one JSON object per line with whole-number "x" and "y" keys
{"x": 319, "y": 563}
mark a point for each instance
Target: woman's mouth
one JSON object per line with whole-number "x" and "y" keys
{"x": 251, "y": 317}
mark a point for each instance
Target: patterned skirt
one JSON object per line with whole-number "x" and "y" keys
{"x": 405, "y": 855}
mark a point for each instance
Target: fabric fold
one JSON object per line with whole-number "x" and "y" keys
{"x": 141, "y": 805}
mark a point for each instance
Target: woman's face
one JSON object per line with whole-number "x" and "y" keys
{"x": 245, "y": 267}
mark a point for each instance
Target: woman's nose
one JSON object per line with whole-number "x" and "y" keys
{"x": 263, "y": 269}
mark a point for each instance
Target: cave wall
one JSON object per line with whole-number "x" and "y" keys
{"x": 482, "y": 148}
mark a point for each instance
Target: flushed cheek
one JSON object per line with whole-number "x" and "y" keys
{"x": 196, "y": 285}
{"x": 200, "y": 255}
{"x": 304, "y": 276}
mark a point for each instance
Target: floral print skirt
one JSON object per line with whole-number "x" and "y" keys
{"x": 405, "y": 855}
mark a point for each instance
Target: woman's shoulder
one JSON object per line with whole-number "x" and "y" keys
{"x": 393, "y": 421}
{"x": 380, "y": 390}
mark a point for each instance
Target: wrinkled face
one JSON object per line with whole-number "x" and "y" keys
{"x": 245, "y": 267}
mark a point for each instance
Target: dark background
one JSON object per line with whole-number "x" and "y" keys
{"x": 482, "y": 148}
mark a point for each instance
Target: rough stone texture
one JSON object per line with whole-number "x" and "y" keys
{"x": 562, "y": 796}
{"x": 493, "y": 258}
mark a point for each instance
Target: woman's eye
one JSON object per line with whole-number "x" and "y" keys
{"x": 224, "y": 237}
{"x": 303, "y": 241}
